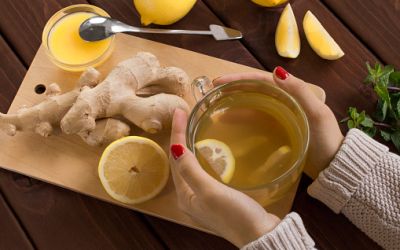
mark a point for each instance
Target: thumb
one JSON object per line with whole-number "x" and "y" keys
{"x": 300, "y": 91}
{"x": 185, "y": 165}
{"x": 183, "y": 161}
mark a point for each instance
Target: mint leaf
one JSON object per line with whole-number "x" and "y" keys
{"x": 369, "y": 131}
{"x": 382, "y": 92}
{"x": 351, "y": 124}
{"x": 367, "y": 122}
{"x": 361, "y": 117}
{"x": 385, "y": 135}
{"x": 394, "y": 78}
{"x": 397, "y": 109}
{"x": 353, "y": 113}
{"x": 385, "y": 81}
{"x": 395, "y": 138}
{"x": 381, "y": 110}
{"x": 386, "y": 72}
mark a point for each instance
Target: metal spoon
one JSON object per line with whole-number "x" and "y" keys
{"x": 98, "y": 28}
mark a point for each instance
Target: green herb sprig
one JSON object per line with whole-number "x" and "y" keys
{"x": 385, "y": 122}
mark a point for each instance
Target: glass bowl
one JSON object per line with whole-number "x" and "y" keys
{"x": 56, "y": 18}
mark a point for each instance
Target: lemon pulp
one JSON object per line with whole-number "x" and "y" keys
{"x": 133, "y": 169}
{"x": 319, "y": 39}
{"x": 287, "y": 38}
{"x": 219, "y": 156}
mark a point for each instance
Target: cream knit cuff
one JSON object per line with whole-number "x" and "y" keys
{"x": 337, "y": 183}
{"x": 289, "y": 234}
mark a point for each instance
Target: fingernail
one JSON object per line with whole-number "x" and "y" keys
{"x": 177, "y": 150}
{"x": 216, "y": 79}
{"x": 281, "y": 73}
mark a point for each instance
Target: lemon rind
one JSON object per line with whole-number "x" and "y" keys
{"x": 282, "y": 48}
{"x": 122, "y": 198}
{"x": 227, "y": 175}
{"x": 335, "y": 52}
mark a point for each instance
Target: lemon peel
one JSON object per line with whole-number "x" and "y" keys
{"x": 133, "y": 169}
{"x": 162, "y": 12}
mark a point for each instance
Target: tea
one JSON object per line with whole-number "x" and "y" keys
{"x": 261, "y": 132}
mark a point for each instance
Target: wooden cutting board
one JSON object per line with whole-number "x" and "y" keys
{"x": 68, "y": 162}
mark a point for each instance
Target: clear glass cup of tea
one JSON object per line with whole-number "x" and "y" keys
{"x": 265, "y": 128}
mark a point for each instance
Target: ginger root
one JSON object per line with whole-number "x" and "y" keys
{"x": 106, "y": 131}
{"x": 138, "y": 89}
{"x": 117, "y": 95}
{"x": 42, "y": 117}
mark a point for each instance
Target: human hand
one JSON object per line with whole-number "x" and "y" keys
{"x": 325, "y": 135}
{"x": 225, "y": 211}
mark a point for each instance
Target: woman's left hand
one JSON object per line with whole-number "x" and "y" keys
{"x": 227, "y": 212}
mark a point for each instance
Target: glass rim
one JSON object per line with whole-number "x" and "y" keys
{"x": 56, "y": 17}
{"x": 302, "y": 157}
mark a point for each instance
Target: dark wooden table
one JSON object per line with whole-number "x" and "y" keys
{"x": 34, "y": 214}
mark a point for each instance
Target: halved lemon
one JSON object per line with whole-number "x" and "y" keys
{"x": 287, "y": 38}
{"x": 218, "y": 156}
{"x": 133, "y": 169}
{"x": 319, "y": 39}
{"x": 269, "y": 3}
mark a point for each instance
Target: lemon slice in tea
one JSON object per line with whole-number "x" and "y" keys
{"x": 218, "y": 156}
{"x": 133, "y": 169}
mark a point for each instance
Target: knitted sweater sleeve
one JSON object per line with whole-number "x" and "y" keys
{"x": 363, "y": 183}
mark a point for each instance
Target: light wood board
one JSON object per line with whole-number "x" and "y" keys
{"x": 68, "y": 162}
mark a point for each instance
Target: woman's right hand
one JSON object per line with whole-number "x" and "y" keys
{"x": 325, "y": 137}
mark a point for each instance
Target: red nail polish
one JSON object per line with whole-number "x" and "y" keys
{"x": 177, "y": 150}
{"x": 281, "y": 73}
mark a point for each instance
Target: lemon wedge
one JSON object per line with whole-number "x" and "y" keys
{"x": 252, "y": 143}
{"x": 319, "y": 39}
{"x": 269, "y": 3}
{"x": 162, "y": 12}
{"x": 287, "y": 38}
{"x": 277, "y": 159}
{"x": 133, "y": 169}
{"x": 218, "y": 155}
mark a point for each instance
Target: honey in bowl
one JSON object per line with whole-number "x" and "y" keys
{"x": 66, "y": 48}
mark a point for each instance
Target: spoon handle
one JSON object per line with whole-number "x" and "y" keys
{"x": 122, "y": 27}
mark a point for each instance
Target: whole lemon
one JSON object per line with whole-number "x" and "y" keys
{"x": 162, "y": 12}
{"x": 269, "y": 3}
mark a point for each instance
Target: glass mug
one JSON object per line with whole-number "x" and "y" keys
{"x": 249, "y": 96}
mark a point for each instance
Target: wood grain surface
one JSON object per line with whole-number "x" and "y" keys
{"x": 22, "y": 22}
{"x": 59, "y": 219}
{"x": 375, "y": 23}
{"x": 11, "y": 74}
{"x": 360, "y": 27}
{"x": 12, "y": 236}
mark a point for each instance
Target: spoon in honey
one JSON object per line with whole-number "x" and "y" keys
{"x": 98, "y": 28}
